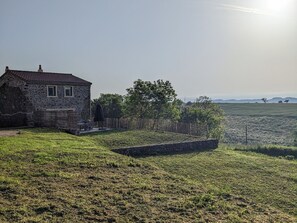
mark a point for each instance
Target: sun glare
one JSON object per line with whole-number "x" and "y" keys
{"x": 276, "y": 7}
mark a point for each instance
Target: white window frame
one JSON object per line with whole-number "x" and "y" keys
{"x": 68, "y": 87}
{"x": 56, "y": 92}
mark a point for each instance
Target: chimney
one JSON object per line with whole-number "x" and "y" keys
{"x": 6, "y": 68}
{"x": 40, "y": 69}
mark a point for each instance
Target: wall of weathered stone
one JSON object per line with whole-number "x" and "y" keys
{"x": 18, "y": 101}
{"x": 37, "y": 96}
{"x": 80, "y": 102}
{"x": 15, "y": 107}
{"x": 167, "y": 149}
{"x": 12, "y": 81}
{"x": 58, "y": 119}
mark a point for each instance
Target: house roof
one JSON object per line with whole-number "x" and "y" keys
{"x": 47, "y": 77}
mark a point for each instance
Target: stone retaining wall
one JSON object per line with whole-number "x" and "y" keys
{"x": 168, "y": 149}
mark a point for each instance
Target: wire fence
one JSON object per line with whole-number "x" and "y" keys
{"x": 253, "y": 130}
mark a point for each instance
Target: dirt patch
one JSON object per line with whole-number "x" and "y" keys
{"x": 9, "y": 133}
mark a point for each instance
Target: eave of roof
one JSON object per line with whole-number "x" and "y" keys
{"x": 34, "y": 77}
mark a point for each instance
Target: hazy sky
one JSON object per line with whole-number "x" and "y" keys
{"x": 219, "y": 48}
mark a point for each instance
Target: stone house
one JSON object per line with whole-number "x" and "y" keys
{"x": 43, "y": 99}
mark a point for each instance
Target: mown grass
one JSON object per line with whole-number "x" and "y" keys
{"x": 263, "y": 179}
{"x": 48, "y": 176}
{"x": 119, "y": 139}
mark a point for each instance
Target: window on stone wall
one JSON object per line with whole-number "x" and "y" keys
{"x": 68, "y": 91}
{"x": 51, "y": 91}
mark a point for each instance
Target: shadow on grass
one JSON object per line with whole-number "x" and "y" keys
{"x": 169, "y": 148}
{"x": 286, "y": 152}
{"x": 102, "y": 133}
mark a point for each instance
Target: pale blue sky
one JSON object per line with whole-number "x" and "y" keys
{"x": 219, "y": 48}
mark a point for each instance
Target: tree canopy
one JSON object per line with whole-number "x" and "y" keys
{"x": 112, "y": 105}
{"x": 151, "y": 100}
{"x": 204, "y": 111}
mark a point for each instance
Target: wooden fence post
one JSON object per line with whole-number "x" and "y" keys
{"x": 246, "y": 134}
{"x": 190, "y": 129}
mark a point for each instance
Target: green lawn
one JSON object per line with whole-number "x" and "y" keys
{"x": 119, "y": 139}
{"x": 48, "y": 176}
{"x": 261, "y": 178}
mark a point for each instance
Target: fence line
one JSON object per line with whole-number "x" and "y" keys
{"x": 260, "y": 130}
{"x": 158, "y": 125}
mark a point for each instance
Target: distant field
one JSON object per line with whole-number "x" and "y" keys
{"x": 260, "y": 109}
{"x": 266, "y": 123}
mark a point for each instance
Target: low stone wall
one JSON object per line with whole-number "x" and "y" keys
{"x": 14, "y": 120}
{"x": 168, "y": 149}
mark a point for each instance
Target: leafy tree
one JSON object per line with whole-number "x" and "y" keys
{"x": 189, "y": 103}
{"x": 137, "y": 99}
{"x": 112, "y": 105}
{"x": 176, "y": 109}
{"x": 265, "y": 100}
{"x": 152, "y": 100}
{"x": 204, "y": 111}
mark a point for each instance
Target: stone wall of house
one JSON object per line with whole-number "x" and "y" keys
{"x": 66, "y": 120}
{"x": 80, "y": 102}
{"x": 19, "y": 101}
{"x": 14, "y": 95}
{"x": 12, "y": 81}
{"x": 168, "y": 149}
{"x": 15, "y": 107}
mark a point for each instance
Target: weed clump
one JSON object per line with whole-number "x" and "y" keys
{"x": 204, "y": 200}
{"x": 112, "y": 164}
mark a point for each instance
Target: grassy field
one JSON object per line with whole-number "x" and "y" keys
{"x": 260, "y": 109}
{"x": 267, "y": 123}
{"x": 48, "y": 176}
{"x": 268, "y": 180}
